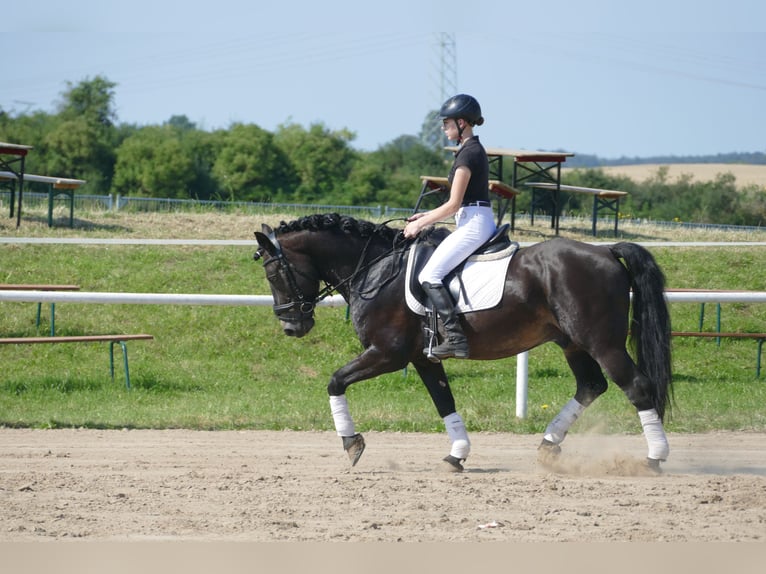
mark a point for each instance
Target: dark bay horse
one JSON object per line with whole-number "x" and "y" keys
{"x": 574, "y": 294}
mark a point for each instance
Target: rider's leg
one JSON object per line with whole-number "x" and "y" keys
{"x": 455, "y": 343}
{"x": 475, "y": 226}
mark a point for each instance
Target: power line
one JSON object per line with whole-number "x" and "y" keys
{"x": 432, "y": 134}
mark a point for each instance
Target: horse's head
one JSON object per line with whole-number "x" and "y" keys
{"x": 294, "y": 289}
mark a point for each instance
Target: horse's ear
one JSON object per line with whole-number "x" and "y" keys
{"x": 266, "y": 229}
{"x": 265, "y": 243}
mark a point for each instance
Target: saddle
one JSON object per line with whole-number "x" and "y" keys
{"x": 475, "y": 284}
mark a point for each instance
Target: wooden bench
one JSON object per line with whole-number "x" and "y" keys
{"x": 12, "y": 287}
{"x": 759, "y": 337}
{"x": 506, "y": 194}
{"x": 111, "y": 339}
{"x": 603, "y": 199}
{"x": 58, "y": 186}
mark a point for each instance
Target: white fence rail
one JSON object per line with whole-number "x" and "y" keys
{"x": 522, "y": 362}
{"x": 690, "y": 296}
{"x": 148, "y": 298}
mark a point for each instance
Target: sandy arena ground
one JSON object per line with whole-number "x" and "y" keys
{"x": 257, "y": 486}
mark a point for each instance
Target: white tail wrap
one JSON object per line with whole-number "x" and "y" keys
{"x": 659, "y": 449}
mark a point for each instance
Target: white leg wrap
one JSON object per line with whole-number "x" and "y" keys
{"x": 344, "y": 424}
{"x": 461, "y": 446}
{"x": 655, "y": 434}
{"x": 559, "y": 426}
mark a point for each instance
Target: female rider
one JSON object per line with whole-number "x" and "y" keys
{"x": 469, "y": 203}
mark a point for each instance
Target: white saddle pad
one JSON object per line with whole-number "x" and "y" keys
{"x": 478, "y": 286}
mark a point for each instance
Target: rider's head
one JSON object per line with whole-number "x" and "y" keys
{"x": 462, "y": 107}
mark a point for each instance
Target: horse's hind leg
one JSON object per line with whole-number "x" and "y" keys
{"x": 590, "y": 384}
{"x": 435, "y": 380}
{"x": 638, "y": 388}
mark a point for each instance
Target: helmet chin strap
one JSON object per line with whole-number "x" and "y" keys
{"x": 459, "y": 132}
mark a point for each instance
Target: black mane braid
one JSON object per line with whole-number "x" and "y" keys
{"x": 342, "y": 223}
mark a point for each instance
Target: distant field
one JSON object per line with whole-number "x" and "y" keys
{"x": 745, "y": 174}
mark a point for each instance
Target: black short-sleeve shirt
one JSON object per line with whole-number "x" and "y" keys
{"x": 473, "y": 155}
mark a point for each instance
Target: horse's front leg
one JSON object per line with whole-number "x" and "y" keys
{"x": 353, "y": 442}
{"x": 435, "y": 380}
{"x": 369, "y": 364}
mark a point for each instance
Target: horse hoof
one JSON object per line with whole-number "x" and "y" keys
{"x": 653, "y": 464}
{"x": 454, "y": 464}
{"x": 549, "y": 447}
{"x": 354, "y": 447}
{"x": 548, "y": 454}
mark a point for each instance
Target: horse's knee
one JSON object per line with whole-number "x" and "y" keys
{"x": 335, "y": 387}
{"x": 590, "y": 391}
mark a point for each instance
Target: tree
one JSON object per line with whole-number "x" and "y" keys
{"x": 82, "y": 144}
{"x": 402, "y": 162}
{"x": 322, "y": 159}
{"x": 251, "y": 167}
{"x": 181, "y": 123}
{"x": 29, "y": 129}
{"x": 152, "y": 163}
{"x": 92, "y": 100}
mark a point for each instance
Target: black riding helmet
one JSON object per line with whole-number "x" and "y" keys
{"x": 462, "y": 106}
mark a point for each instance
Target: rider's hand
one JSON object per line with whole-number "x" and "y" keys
{"x": 412, "y": 228}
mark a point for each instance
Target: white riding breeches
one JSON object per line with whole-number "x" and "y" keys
{"x": 474, "y": 225}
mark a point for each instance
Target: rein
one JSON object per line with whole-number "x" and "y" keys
{"x": 362, "y": 267}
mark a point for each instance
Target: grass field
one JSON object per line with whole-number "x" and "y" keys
{"x": 216, "y": 367}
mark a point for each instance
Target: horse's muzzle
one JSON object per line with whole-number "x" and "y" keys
{"x": 296, "y": 317}
{"x": 297, "y": 329}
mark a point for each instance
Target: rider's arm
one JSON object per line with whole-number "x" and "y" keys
{"x": 449, "y": 208}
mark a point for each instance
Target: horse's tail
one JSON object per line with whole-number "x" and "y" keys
{"x": 650, "y": 325}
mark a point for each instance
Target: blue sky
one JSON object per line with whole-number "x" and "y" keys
{"x": 611, "y": 78}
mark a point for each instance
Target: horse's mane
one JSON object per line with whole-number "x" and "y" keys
{"x": 342, "y": 223}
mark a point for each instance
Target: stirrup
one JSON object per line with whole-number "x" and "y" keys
{"x": 430, "y": 332}
{"x": 430, "y": 356}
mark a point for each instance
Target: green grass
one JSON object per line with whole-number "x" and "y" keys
{"x": 232, "y": 368}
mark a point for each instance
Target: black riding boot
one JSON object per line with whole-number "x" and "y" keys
{"x": 455, "y": 343}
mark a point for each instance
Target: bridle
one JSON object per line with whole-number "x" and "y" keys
{"x": 300, "y": 308}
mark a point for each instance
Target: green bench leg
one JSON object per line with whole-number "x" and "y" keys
{"x": 53, "y": 318}
{"x": 758, "y": 358}
{"x": 717, "y": 320}
{"x": 124, "y": 359}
